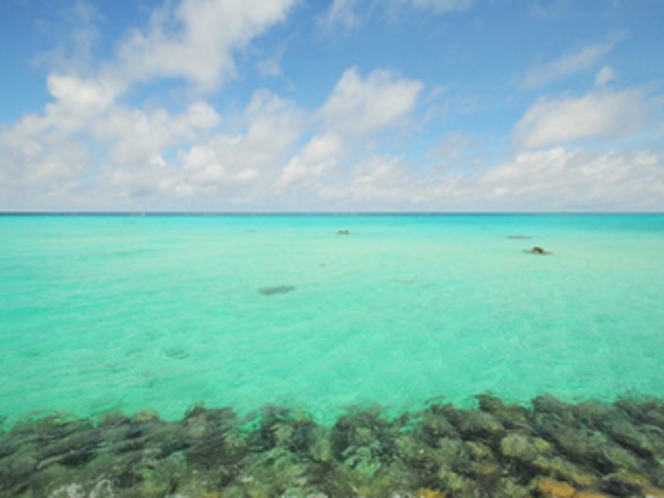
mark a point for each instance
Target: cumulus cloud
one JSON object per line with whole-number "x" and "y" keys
{"x": 598, "y": 114}
{"x": 45, "y": 155}
{"x": 91, "y": 146}
{"x": 357, "y": 107}
{"x": 77, "y": 101}
{"x": 558, "y": 179}
{"x": 567, "y": 65}
{"x": 195, "y": 39}
{"x": 554, "y": 179}
{"x": 135, "y": 135}
{"x": 363, "y": 105}
{"x": 248, "y": 163}
{"x": 318, "y": 157}
{"x": 40, "y": 166}
{"x": 89, "y": 134}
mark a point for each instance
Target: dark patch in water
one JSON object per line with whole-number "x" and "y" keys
{"x": 177, "y": 353}
{"x": 276, "y": 289}
{"x": 519, "y": 237}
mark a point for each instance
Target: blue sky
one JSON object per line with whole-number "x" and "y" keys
{"x": 332, "y": 105}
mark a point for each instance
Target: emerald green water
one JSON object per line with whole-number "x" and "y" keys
{"x": 100, "y": 313}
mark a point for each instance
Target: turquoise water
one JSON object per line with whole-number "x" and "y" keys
{"x": 102, "y": 313}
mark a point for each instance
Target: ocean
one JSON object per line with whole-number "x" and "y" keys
{"x": 102, "y": 313}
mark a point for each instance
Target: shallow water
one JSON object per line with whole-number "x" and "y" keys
{"x": 101, "y": 313}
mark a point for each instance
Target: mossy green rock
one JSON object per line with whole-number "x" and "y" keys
{"x": 523, "y": 448}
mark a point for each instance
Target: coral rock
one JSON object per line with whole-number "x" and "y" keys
{"x": 428, "y": 493}
{"x": 522, "y": 447}
{"x": 555, "y": 489}
{"x": 652, "y": 492}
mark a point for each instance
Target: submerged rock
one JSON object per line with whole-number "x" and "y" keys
{"x": 585, "y": 450}
{"x": 276, "y": 289}
{"x": 550, "y": 488}
{"x": 475, "y": 424}
{"x": 524, "y": 448}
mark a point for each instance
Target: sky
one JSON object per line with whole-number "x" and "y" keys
{"x": 332, "y": 105}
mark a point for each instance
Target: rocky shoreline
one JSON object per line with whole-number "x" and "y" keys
{"x": 549, "y": 449}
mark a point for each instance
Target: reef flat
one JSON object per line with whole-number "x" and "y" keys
{"x": 550, "y": 448}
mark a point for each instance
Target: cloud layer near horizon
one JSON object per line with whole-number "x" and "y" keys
{"x": 92, "y": 147}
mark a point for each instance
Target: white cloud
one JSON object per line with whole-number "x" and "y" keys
{"x": 196, "y": 39}
{"x": 88, "y": 136}
{"x": 345, "y": 12}
{"x": 137, "y": 135}
{"x": 439, "y": 6}
{"x": 546, "y": 180}
{"x": 45, "y": 155}
{"x": 377, "y": 179}
{"x": 605, "y": 76}
{"x": 248, "y": 162}
{"x": 358, "y": 107}
{"x": 598, "y": 114}
{"x": 77, "y": 101}
{"x": 351, "y": 13}
{"x": 90, "y": 147}
{"x": 318, "y": 157}
{"x": 567, "y": 65}
{"x": 558, "y": 179}
{"x": 39, "y": 164}
{"x": 364, "y": 105}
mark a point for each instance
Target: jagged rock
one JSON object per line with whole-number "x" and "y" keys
{"x": 652, "y": 492}
{"x": 320, "y": 447}
{"x": 507, "y": 488}
{"x": 476, "y": 424}
{"x": 524, "y": 448}
{"x": 616, "y": 485}
{"x": 437, "y": 425}
{"x": 550, "y": 405}
{"x": 428, "y": 493}
{"x": 455, "y": 484}
{"x": 500, "y": 451}
{"x": 511, "y": 416}
{"x": 651, "y": 412}
{"x": 562, "y": 469}
{"x": 550, "y": 488}
{"x": 617, "y": 424}
{"x": 478, "y": 451}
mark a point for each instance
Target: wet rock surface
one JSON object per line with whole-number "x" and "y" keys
{"x": 549, "y": 449}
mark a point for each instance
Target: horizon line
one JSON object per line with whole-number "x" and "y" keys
{"x": 312, "y": 213}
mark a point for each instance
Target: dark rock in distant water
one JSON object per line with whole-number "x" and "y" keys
{"x": 519, "y": 237}
{"x": 538, "y": 250}
{"x": 276, "y": 289}
{"x": 343, "y": 232}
